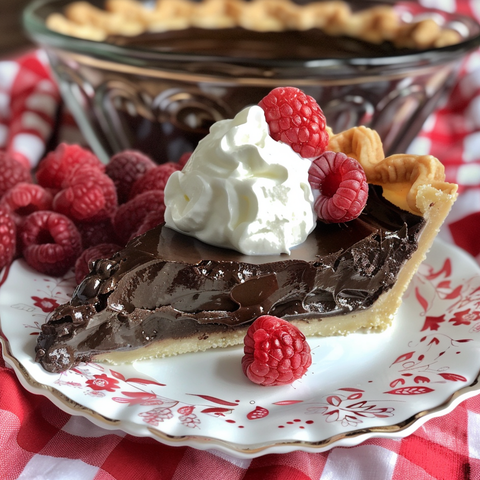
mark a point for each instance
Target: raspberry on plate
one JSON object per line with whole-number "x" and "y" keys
{"x": 62, "y": 162}
{"x": 154, "y": 179}
{"x": 151, "y": 220}
{"x": 89, "y": 255}
{"x": 8, "y": 237}
{"x": 50, "y": 242}
{"x": 88, "y": 195}
{"x": 275, "y": 352}
{"x": 95, "y": 233}
{"x": 297, "y": 120}
{"x": 130, "y": 216}
{"x": 339, "y": 186}
{"x": 25, "y": 198}
{"x": 125, "y": 168}
{"x": 11, "y": 173}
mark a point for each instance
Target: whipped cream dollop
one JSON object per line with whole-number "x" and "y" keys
{"x": 242, "y": 190}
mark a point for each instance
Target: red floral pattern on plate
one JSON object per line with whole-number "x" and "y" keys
{"x": 428, "y": 359}
{"x": 348, "y": 409}
{"x": 443, "y": 300}
{"x": 102, "y": 382}
{"x": 46, "y": 304}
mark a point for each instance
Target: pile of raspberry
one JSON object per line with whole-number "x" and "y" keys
{"x": 74, "y": 209}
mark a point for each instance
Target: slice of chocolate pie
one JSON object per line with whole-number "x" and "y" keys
{"x": 169, "y": 293}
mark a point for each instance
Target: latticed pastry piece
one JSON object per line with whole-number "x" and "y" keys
{"x": 415, "y": 183}
{"x": 403, "y": 177}
{"x": 129, "y": 18}
{"x": 167, "y": 293}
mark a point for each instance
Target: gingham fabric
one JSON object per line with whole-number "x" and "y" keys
{"x": 39, "y": 441}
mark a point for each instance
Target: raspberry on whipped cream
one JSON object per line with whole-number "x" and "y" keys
{"x": 242, "y": 190}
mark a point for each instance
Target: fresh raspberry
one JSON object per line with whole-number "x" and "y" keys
{"x": 88, "y": 196}
{"x": 152, "y": 219}
{"x": 22, "y": 159}
{"x": 297, "y": 120}
{"x": 8, "y": 237}
{"x": 25, "y": 198}
{"x": 95, "y": 233}
{"x": 11, "y": 173}
{"x": 182, "y": 161}
{"x": 62, "y": 162}
{"x": 83, "y": 264}
{"x": 154, "y": 179}
{"x": 275, "y": 353}
{"x": 125, "y": 168}
{"x": 50, "y": 242}
{"x": 339, "y": 186}
{"x": 129, "y": 217}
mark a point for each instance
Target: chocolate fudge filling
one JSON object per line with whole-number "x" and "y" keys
{"x": 241, "y": 43}
{"x": 168, "y": 285}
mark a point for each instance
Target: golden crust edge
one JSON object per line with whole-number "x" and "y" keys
{"x": 436, "y": 204}
{"x": 432, "y": 200}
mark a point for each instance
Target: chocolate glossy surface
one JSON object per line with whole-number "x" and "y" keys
{"x": 168, "y": 285}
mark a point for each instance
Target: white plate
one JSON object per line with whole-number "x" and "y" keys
{"x": 360, "y": 386}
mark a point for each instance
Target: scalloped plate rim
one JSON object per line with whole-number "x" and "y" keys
{"x": 206, "y": 442}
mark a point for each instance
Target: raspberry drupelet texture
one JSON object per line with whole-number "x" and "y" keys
{"x": 8, "y": 237}
{"x": 151, "y": 220}
{"x": 87, "y": 195}
{"x": 25, "y": 198}
{"x": 62, "y": 162}
{"x": 50, "y": 242}
{"x": 89, "y": 255}
{"x": 275, "y": 352}
{"x": 97, "y": 232}
{"x": 130, "y": 216}
{"x": 297, "y": 120}
{"x": 154, "y": 179}
{"x": 125, "y": 168}
{"x": 340, "y": 187}
{"x": 11, "y": 173}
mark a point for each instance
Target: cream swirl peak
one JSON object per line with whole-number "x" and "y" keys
{"x": 242, "y": 190}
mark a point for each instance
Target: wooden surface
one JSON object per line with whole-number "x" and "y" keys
{"x": 12, "y": 37}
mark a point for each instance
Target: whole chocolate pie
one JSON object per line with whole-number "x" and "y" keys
{"x": 169, "y": 293}
{"x": 241, "y": 26}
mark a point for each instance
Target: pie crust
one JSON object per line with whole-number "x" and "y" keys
{"x": 129, "y": 18}
{"x": 414, "y": 183}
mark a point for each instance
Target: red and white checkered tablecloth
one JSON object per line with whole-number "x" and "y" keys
{"x": 39, "y": 441}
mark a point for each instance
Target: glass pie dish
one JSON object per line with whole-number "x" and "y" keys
{"x": 161, "y": 96}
